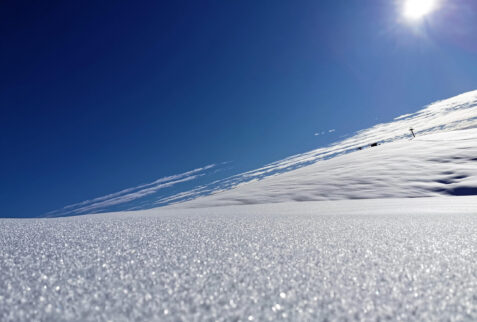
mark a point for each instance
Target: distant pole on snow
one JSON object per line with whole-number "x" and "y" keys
{"x": 412, "y": 131}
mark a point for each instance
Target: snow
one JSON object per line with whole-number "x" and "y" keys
{"x": 388, "y": 232}
{"x": 400, "y": 259}
{"x": 438, "y": 164}
{"x": 446, "y": 116}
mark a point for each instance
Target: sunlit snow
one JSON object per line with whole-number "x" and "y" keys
{"x": 439, "y": 164}
{"x": 382, "y": 233}
{"x": 398, "y": 259}
{"x": 455, "y": 113}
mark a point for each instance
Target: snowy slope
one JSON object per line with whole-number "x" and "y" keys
{"x": 431, "y": 165}
{"x": 355, "y": 246}
{"x": 361, "y": 175}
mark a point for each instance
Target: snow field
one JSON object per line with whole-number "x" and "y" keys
{"x": 408, "y": 259}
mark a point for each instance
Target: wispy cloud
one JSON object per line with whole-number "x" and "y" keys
{"x": 129, "y": 194}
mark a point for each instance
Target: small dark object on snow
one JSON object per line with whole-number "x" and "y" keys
{"x": 412, "y": 131}
{"x": 373, "y": 144}
{"x": 360, "y": 148}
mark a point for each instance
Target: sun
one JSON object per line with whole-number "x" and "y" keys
{"x": 417, "y": 9}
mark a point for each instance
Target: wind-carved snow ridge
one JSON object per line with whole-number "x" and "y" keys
{"x": 452, "y": 114}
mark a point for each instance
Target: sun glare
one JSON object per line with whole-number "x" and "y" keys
{"x": 416, "y": 9}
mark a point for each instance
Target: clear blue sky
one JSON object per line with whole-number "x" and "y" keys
{"x": 98, "y": 96}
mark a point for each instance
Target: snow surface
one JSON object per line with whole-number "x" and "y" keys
{"x": 438, "y": 164}
{"x": 399, "y": 259}
{"x": 388, "y": 232}
{"x": 456, "y": 113}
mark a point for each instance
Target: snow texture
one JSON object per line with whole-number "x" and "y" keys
{"x": 456, "y": 113}
{"x": 398, "y": 259}
{"x": 356, "y": 246}
{"x": 431, "y": 165}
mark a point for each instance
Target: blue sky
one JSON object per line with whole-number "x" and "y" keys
{"x": 97, "y": 97}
